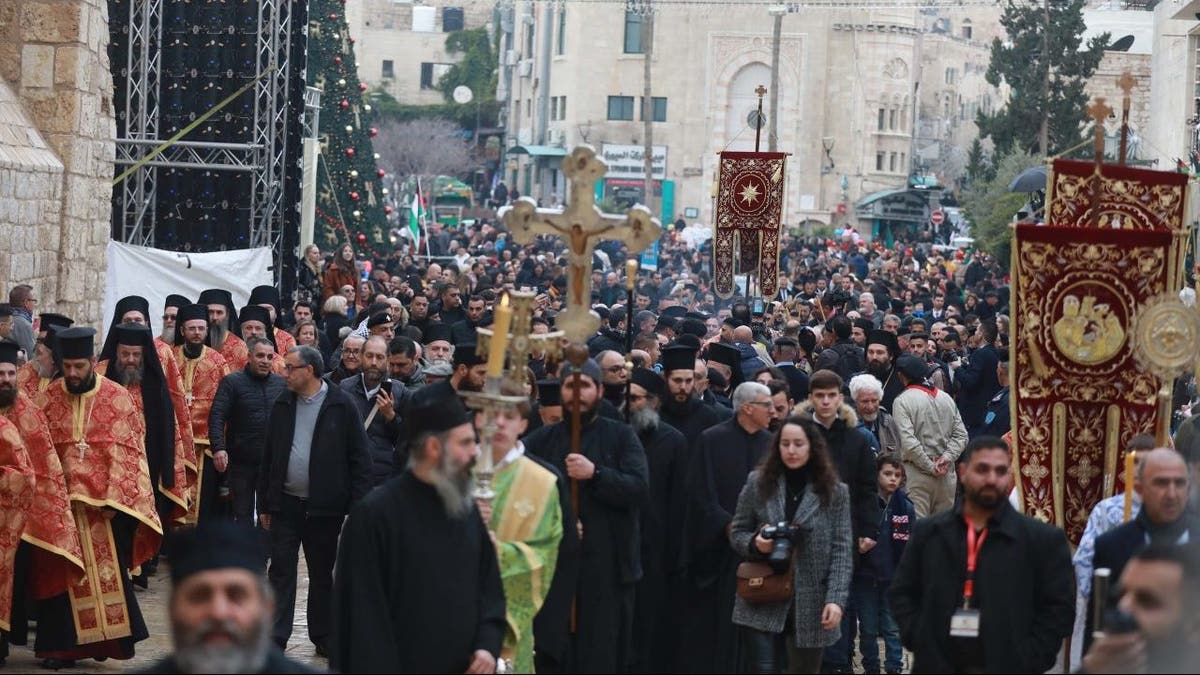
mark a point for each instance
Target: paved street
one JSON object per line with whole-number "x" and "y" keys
{"x": 153, "y": 602}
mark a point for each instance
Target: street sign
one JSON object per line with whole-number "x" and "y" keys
{"x": 937, "y": 217}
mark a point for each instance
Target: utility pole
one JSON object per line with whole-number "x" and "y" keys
{"x": 648, "y": 105}
{"x": 776, "y": 11}
{"x": 1044, "y": 135}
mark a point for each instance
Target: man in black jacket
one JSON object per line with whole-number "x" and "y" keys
{"x": 242, "y": 407}
{"x": 315, "y": 467}
{"x": 1021, "y": 602}
{"x": 379, "y": 407}
{"x": 976, "y": 381}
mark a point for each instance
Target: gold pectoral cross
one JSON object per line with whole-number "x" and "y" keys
{"x": 82, "y": 446}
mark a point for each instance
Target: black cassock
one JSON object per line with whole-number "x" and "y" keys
{"x": 656, "y": 612}
{"x": 610, "y": 557}
{"x": 415, "y": 590}
{"x": 721, "y": 460}
{"x": 690, "y": 418}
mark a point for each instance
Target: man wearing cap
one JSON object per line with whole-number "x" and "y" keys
{"x": 203, "y": 368}
{"x": 240, "y": 415}
{"x": 97, "y": 431}
{"x": 315, "y": 467}
{"x": 681, "y": 407}
{"x": 613, "y": 484}
{"x": 439, "y": 343}
{"x": 267, "y": 297}
{"x": 655, "y": 635}
{"x": 170, "y": 311}
{"x": 380, "y": 402}
{"x": 882, "y": 349}
{"x": 221, "y": 606}
{"x": 932, "y": 436}
{"x": 525, "y": 521}
{"x": 130, "y": 360}
{"x": 223, "y": 328}
{"x": 52, "y": 558}
{"x": 418, "y": 584}
{"x": 722, "y": 458}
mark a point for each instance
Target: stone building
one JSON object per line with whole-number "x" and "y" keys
{"x": 574, "y": 74}
{"x": 401, "y": 45}
{"x": 56, "y": 152}
{"x": 1174, "y": 127}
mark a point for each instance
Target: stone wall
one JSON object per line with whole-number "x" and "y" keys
{"x": 1104, "y": 83}
{"x": 56, "y": 152}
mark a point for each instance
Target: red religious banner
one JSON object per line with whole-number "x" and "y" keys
{"x": 1117, "y": 197}
{"x": 1078, "y": 394}
{"x": 749, "y": 214}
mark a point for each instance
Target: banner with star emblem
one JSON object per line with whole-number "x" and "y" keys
{"x": 748, "y": 217}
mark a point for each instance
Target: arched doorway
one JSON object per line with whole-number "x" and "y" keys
{"x": 743, "y": 100}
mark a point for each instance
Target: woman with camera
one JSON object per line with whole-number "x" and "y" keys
{"x": 792, "y": 525}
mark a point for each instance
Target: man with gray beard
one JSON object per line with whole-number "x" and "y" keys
{"x": 418, "y": 584}
{"x": 655, "y": 607}
{"x": 221, "y": 605}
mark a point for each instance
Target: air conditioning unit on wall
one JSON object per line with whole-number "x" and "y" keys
{"x": 526, "y": 68}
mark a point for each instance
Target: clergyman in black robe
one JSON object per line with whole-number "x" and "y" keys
{"x": 721, "y": 460}
{"x": 417, "y": 586}
{"x": 681, "y": 407}
{"x": 614, "y": 484}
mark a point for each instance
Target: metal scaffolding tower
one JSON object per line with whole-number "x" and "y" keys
{"x": 263, "y": 153}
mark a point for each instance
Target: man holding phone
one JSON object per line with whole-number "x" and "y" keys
{"x": 379, "y": 400}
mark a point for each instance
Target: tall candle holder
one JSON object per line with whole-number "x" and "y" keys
{"x": 489, "y": 402}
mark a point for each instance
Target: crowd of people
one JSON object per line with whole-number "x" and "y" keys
{"x": 789, "y": 484}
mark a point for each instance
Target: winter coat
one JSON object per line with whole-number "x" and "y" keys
{"x": 381, "y": 435}
{"x": 338, "y": 274}
{"x": 242, "y": 408}
{"x": 751, "y": 361}
{"x": 930, "y": 427}
{"x": 886, "y": 433}
{"x": 855, "y": 461}
{"x": 821, "y": 566}
{"x": 895, "y": 527}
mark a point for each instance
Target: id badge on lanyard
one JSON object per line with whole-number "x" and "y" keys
{"x": 964, "y": 623}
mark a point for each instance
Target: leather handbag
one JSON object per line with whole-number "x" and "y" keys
{"x": 758, "y": 583}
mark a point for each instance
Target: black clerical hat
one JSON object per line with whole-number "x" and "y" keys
{"x": 213, "y": 545}
{"x": 678, "y": 357}
{"x": 692, "y": 327}
{"x": 464, "y": 355}
{"x": 133, "y": 335}
{"x": 435, "y": 408}
{"x": 689, "y": 340}
{"x": 439, "y": 331}
{"x": 549, "y": 393}
{"x": 675, "y": 312}
{"x": 698, "y": 316}
{"x": 5, "y": 311}
{"x": 9, "y": 352}
{"x": 76, "y": 343}
{"x": 912, "y": 367}
{"x": 264, "y": 295}
{"x": 131, "y": 303}
{"x": 726, "y": 354}
{"x": 191, "y": 313}
{"x": 255, "y": 313}
{"x": 175, "y": 300}
{"x": 732, "y": 322}
{"x": 216, "y": 296}
{"x": 60, "y": 321}
{"x": 885, "y": 338}
{"x": 379, "y": 318}
{"x": 649, "y": 380}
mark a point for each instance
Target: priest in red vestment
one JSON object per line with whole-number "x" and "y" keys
{"x": 100, "y": 437}
{"x": 203, "y": 368}
{"x": 224, "y": 329}
{"x": 35, "y": 376}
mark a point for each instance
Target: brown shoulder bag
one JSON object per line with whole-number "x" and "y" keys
{"x": 758, "y": 583}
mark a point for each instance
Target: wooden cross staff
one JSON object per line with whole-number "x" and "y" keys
{"x": 1126, "y": 82}
{"x": 581, "y": 224}
{"x": 1098, "y": 111}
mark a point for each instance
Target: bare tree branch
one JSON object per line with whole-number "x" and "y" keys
{"x": 424, "y": 147}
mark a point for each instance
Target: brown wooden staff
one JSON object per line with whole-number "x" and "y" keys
{"x": 577, "y": 355}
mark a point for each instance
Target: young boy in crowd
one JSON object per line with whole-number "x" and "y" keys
{"x": 874, "y": 575}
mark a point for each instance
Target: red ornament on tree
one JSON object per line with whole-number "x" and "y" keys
{"x": 349, "y": 152}
{"x": 351, "y": 40}
{"x": 354, "y": 195}
{"x": 362, "y": 87}
{"x": 374, "y": 132}
{"x": 337, "y": 60}
{"x": 345, "y": 104}
{"x": 387, "y": 210}
{"x": 380, "y": 172}
{"x": 362, "y": 238}
{"x": 332, "y": 16}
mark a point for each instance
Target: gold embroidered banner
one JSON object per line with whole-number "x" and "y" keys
{"x": 750, "y": 206}
{"x": 1078, "y": 393}
{"x": 1116, "y": 197}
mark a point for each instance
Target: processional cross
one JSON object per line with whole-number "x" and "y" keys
{"x": 581, "y": 224}
{"x": 521, "y": 341}
{"x": 1098, "y": 111}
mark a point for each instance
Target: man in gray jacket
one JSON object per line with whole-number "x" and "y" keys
{"x": 867, "y": 393}
{"x": 932, "y": 436}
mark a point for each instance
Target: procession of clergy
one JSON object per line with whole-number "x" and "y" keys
{"x": 583, "y": 561}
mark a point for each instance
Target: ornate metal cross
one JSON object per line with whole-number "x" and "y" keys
{"x": 522, "y": 341}
{"x": 581, "y": 224}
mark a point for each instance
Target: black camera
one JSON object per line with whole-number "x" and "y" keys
{"x": 782, "y": 538}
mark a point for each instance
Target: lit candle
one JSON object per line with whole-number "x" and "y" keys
{"x": 1129, "y": 460}
{"x": 499, "y": 342}
{"x": 631, "y": 268}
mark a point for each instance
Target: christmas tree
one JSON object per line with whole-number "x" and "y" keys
{"x": 350, "y": 192}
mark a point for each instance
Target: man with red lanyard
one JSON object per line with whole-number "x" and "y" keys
{"x": 981, "y": 587}
{"x": 932, "y": 436}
